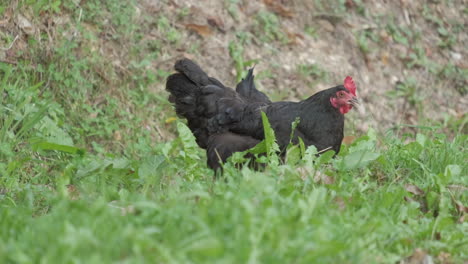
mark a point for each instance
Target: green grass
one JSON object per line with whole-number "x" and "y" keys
{"x": 160, "y": 204}
{"x": 90, "y": 174}
{"x": 165, "y": 207}
{"x": 268, "y": 23}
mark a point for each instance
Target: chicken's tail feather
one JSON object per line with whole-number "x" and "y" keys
{"x": 246, "y": 88}
{"x": 189, "y": 92}
{"x": 184, "y": 95}
{"x": 192, "y": 71}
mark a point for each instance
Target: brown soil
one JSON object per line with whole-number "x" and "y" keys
{"x": 335, "y": 49}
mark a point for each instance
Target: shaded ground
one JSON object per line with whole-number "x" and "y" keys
{"x": 408, "y": 58}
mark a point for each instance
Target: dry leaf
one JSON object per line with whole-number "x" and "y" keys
{"x": 462, "y": 65}
{"x": 350, "y": 4}
{"x": 460, "y": 188}
{"x": 25, "y": 25}
{"x": 323, "y": 178}
{"x": 414, "y": 189}
{"x": 170, "y": 120}
{"x": 3, "y": 22}
{"x": 340, "y": 202}
{"x": 384, "y": 58}
{"x": 303, "y": 172}
{"x": 278, "y": 8}
{"x": 348, "y": 140}
{"x": 384, "y": 36}
{"x": 327, "y": 25}
{"x": 422, "y": 204}
{"x": 73, "y": 192}
{"x": 124, "y": 210}
{"x": 202, "y": 30}
{"x": 461, "y": 220}
{"x": 428, "y": 51}
{"x": 292, "y": 38}
{"x": 295, "y": 38}
{"x": 444, "y": 258}
{"x": 461, "y": 208}
{"x": 419, "y": 257}
{"x": 216, "y": 22}
{"x": 6, "y": 16}
{"x": 188, "y": 56}
{"x": 117, "y": 135}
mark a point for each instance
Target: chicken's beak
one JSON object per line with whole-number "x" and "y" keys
{"x": 355, "y": 102}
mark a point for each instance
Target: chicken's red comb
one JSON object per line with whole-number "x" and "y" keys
{"x": 349, "y": 85}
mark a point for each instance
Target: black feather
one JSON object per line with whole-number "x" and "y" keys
{"x": 225, "y": 121}
{"x": 246, "y": 88}
{"x": 222, "y": 146}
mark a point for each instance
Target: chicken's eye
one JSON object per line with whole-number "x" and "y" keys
{"x": 340, "y": 94}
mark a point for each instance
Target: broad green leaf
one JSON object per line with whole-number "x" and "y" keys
{"x": 271, "y": 146}
{"x": 150, "y": 165}
{"x": 52, "y": 133}
{"x": 262, "y": 159}
{"x": 44, "y": 145}
{"x": 414, "y": 148}
{"x": 358, "y": 159}
{"x": 442, "y": 31}
{"x": 372, "y": 134}
{"x": 188, "y": 142}
{"x": 325, "y": 157}
{"x": 432, "y": 200}
{"x": 118, "y": 163}
{"x": 260, "y": 148}
{"x": 452, "y": 170}
{"x": 238, "y": 157}
{"x": 310, "y": 155}
{"x": 302, "y": 147}
{"x": 209, "y": 246}
{"x": 293, "y": 155}
{"x": 150, "y": 169}
{"x": 30, "y": 121}
{"x": 270, "y": 140}
{"x": 421, "y": 139}
{"x": 362, "y": 145}
{"x": 6, "y": 149}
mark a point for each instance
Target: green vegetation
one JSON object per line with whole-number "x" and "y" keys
{"x": 90, "y": 171}
{"x": 312, "y": 70}
{"x": 268, "y": 24}
{"x": 409, "y": 91}
{"x": 371, "y": 204}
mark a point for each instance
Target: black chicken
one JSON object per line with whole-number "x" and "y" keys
{"x": 224, "y": 120}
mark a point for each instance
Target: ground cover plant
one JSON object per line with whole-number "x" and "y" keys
{"x": 95, "y": 167}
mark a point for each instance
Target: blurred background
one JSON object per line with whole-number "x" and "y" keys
{"x": 101, "y": 65}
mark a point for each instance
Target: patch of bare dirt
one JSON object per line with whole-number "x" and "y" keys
{"x": 334, "y": 48}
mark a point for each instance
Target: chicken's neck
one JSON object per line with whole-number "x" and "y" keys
{"x": 320, "y": 103}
